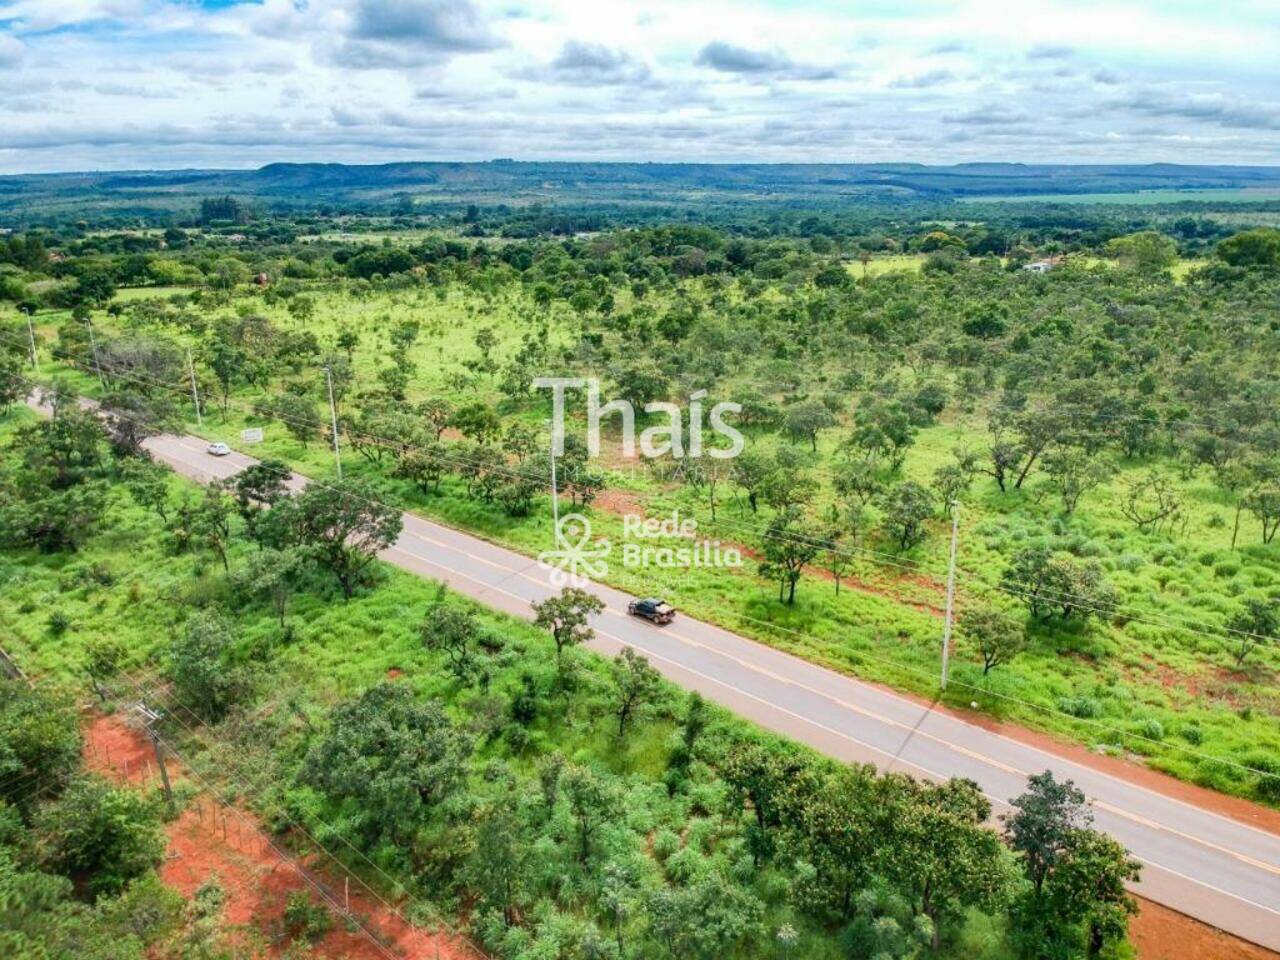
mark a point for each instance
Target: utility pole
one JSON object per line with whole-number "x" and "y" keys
{"x": 951, "y": 589}
{"x": 31, "y": 339}
{"x": 93, "y": 343}
{"x": 150, "y": 717}
{"x": 195, "y": 392}
{"x": 333, "y": 417}
{"x": 555, "y": 495}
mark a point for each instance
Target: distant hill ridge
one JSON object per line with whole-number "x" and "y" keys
{"x": 286, "y": 186}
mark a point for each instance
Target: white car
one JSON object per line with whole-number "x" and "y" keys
{"x": 218, "y": 449}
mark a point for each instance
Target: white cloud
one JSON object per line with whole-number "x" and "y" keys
{"x": 1134, "y": 80}
{"x": 12, "y": 51}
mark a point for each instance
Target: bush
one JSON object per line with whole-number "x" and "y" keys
{"x": 59, "y": 623}
{"x": 1085, "y": 708}
{"x": 304, "y": 918}
{"x": 1152, "y": 729}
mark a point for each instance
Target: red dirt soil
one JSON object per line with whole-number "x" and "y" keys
{"x": 1159, "y": 933}
{"x": 1237, "y": 808}
{"x": 208, "y": 839}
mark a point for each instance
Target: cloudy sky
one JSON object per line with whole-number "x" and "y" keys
{"x": 118, "y": 84}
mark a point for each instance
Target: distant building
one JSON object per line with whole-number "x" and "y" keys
{"x": 1043, "y": 266}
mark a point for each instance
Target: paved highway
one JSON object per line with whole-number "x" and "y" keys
{"x": 1200, "y": 863}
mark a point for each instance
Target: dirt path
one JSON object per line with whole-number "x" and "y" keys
{"x": 209, "y": 839}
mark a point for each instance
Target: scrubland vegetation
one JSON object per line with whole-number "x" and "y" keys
{"x": 1108, "y": 430}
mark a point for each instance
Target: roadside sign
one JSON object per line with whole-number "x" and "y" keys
{"x": 251, "y": 435}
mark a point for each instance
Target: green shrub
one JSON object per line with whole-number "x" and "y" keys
{"x": 1083, "y": 707}
{"x": 1152, "y": 729}
{"x": 304, "y": 918}
{"x": 59, "y": 623}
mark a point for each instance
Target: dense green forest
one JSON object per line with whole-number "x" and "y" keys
{"x": 530, "y": 197}
{"x": 1107, "y": 426}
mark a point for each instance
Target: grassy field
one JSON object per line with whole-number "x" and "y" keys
{"x": 1155, "y": 682}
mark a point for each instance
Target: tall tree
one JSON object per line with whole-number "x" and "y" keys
{"x": 343, "y": 523}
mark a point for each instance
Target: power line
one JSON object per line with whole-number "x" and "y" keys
{"x": 1050, "y": 595}
{"x": 1035, "y": 706}
{"x": 242, "y": 782}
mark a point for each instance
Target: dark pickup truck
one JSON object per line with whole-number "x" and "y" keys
{"x": 653, "y": 609}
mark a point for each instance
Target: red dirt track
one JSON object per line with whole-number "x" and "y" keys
{"x": 209, "y": 839}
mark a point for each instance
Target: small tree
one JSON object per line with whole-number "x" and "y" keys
{"x": 199, "y": 667}
{"x": 1078, "y": 899}
{"x": 423, "y": 466}
{"x": 103, "y": 834}
{"x": 1042, "y": 823}
{"x": 593, "y": 801}
{"x": 566, "y": 616}
{"x": 42, "y": 742}
{"x": 1263, "y": 501}
{"x": 437, "y": 412}
{"x": 148, "y": 484}
{"x": 806, "y": 419}
{"x": 951, "y": 481}
{"x": 258, "y": 486}
{"x": 393, "y": 756}
{"x": 636, "y": 684}
{"x": 789, "y": 546}
{"x": 997, "y": 636}
{"x": 1073, "y": 473}
{"x": 1151, "y": 501}
{"x": 1255, "y": 626}
{"x": 857, "y": 481}
{"x": 710, "y": 918}
{"x": 212, "y": 521}
{"x": 1058, "y": 586}
{"x": 455, "y": 632}
{"x": 275, "y": 574}
{"x": 103, "y": 659}
{"x": 907, "y": 510}
{"x": 1090, "y": 888}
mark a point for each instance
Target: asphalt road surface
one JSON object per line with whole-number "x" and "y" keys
{"x": 1208, "y": 866}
